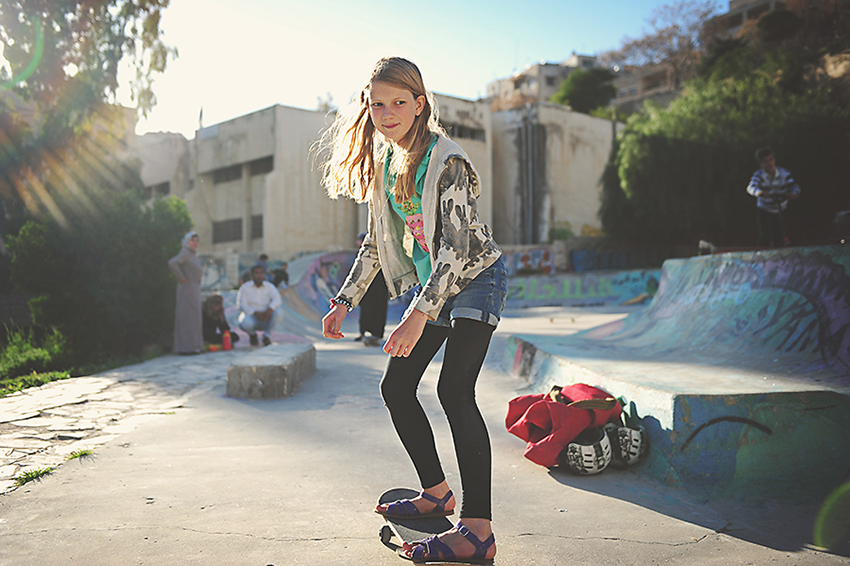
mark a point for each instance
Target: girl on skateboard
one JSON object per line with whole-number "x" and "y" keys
{"x": 422, "y": 188}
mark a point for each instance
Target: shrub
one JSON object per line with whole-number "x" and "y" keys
{"x": 21, "y": 355}
{"x": 680, "y": 173}
{"x": 101, "y": 278}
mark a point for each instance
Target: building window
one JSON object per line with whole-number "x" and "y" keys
{"x": 227, "y": 174}
{"x": 256, "y": 226}
{"x": 551, "y": 81}
{"x": 160, "y": 190}
{"x": 464, "y": 132}
{"x": 227, "y": 231}
{"x": 261, "y": 166}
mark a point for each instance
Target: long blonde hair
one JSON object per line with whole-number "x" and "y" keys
{"x": 352, "y": 146}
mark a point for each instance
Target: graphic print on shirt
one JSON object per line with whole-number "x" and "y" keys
{"x": 417, "y": 228}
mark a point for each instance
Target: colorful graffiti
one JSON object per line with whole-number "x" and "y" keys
{"x": 792, "y": 306}
{"x": 738, "y": 370}
{"x": 581, "y": 289}
{"x": 534, "y": 260}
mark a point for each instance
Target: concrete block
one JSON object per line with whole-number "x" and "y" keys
{"x": 271, "y": 372}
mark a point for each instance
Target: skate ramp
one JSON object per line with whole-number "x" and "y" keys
{"x": 739, "y": 369}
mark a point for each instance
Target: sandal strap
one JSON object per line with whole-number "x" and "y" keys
{"x": 402, "y": 508}
{"x": 432, "y": 548}
{"x": 439, "y": 502}
{"x": 480, "y": 547}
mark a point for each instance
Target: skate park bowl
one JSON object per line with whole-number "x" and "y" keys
{"x": 739, "y": 369}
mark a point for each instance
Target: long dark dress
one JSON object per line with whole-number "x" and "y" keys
{"x": 187, "y": 313}
{"x": 373, "y": 307}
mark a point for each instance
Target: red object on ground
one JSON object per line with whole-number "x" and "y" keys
{"x": 225, "y": 340}
{"x": 548, "y": 426}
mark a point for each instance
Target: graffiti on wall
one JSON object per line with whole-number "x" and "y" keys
{"x": 581, "y": 289}
{"x": 783, "y": 303}
{"x": 535, "y": 260}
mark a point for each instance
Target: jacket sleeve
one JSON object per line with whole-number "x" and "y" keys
{"x": 453, "y": 252}
{"x": 793, "y": 187}
{"x": 755, "y": 184}
{"x": 364, "y": 269}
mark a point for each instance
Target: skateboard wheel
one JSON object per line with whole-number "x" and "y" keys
{"x": 386, "y": 534}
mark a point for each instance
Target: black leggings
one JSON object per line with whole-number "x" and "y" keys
{"x": 466, "y": 346}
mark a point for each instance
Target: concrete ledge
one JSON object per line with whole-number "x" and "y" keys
{"x": 714, "y": 431}
{"x": 271, "y": 372}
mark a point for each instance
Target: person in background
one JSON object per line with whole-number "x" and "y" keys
{"x": 215, "y": 323}
{"x": 281, "y": 275}
{"x": 373, "y": 308}
{"x": 187, "y": 269}
{"x": 260, "y": 306}
{"x": 264, "y": 261}
{"x": 774, "y": 187}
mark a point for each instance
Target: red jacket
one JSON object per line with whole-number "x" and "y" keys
{"x": 548, "y": 425}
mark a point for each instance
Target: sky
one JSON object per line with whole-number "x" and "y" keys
{"x": 240, "y": 56}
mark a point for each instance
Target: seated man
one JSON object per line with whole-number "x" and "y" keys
{"x": 260, "y": 303}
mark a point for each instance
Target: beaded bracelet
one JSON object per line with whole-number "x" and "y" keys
{"x": 343, "y": 302}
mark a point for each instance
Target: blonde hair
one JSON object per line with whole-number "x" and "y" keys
{"x": 351, "y": 145}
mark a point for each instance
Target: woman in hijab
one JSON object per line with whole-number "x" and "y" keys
{"x": 186, "y": 267}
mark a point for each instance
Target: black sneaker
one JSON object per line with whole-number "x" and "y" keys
{"x": 252, "y": 338}
{"x": 266, "y": 341}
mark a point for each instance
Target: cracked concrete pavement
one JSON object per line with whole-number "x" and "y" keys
{"x": 182, "y": 474}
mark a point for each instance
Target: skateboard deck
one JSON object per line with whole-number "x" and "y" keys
{"x": 409, "y": 530}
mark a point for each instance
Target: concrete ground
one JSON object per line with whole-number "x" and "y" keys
{"x": 194, "y": 477}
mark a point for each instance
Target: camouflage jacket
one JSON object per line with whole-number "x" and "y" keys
{"x": 461, "y": 246}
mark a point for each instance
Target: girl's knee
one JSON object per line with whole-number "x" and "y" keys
{"x": 394, "y": 392}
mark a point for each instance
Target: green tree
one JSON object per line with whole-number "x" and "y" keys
{"x": 61, "y": 141}
{"x": 70, "y": 50}
{"x": 586, "y": 89}
{"x": 675, "y": 39}
{"x": 681, "y": 171}
{"x": 102, "y": 278}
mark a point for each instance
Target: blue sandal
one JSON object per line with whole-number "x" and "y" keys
{"x": 405, "y": 508}
{"x": 433, "y": 549}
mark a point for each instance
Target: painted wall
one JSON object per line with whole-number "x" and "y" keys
{"x": 579, "y": 290}
{"x": 547, "y": 162}
{"x": 739, "y": 370}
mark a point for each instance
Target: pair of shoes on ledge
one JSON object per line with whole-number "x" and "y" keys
{"x": 254, "y": 341}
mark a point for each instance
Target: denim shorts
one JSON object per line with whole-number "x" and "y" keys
{"x": 483, "y": 299}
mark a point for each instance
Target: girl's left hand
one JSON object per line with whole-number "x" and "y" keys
{"x": 406, "y": 335}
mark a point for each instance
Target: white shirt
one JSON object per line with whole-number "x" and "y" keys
{"x": 252, "y": 298}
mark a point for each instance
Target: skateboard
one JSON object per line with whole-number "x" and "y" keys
{"x": 409, "y": 530}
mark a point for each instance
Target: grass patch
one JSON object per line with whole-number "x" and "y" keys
{"x": 33, "y": 357}
{"x": 32, "y": 475}
{"x": 31, "y": 380}
{"x": 80, "y": 454}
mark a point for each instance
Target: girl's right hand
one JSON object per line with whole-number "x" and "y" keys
{"x": 332, "y": 322}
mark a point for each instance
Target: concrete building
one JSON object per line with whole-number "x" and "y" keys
{"x": 740, "y": 12}
{"x": 536, "y": 83}
{"x": 251, "y": 184}
{"x": 636, "y": 84}
{"x": 548, "y": 161}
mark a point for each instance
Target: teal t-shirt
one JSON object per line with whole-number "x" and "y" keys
{"x": 411, "y": 212}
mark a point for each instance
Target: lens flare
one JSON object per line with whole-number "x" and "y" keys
{"x": 38, "y": 52}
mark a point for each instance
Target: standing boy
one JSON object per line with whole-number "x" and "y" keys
{"x": 774, "y": 187}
